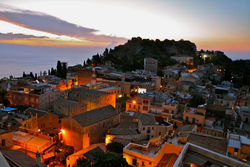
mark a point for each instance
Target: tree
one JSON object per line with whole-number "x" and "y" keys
{"x": 89, "y": 61}
{"x": 115, "y": 147}
{"x": 105, "y": 54}
{"x": 44, "y": 73}
{"x": 109, "y": 160}
{"x": 59, "y": 69}
{"x": 96, "y": 59}
{"x": 24, "y": 75}
{"x": 64, "y": 70}
{"x": 82, "y": 162}
{"x": 196, "y": 100}
{"x": 31, "y": 75}
{"x": 53, "y": 71}
{"x": 59, "y": 66}
{"x": 3, "y": 97}
{"x": 102, "y": 159}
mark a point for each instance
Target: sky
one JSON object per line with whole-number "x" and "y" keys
{"x": 210, "y": 24}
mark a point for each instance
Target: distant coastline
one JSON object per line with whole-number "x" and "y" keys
{"x": 236, "y": 55}
{"x": 15, "y": 59}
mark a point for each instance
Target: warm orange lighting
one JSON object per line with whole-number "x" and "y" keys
{"x": 108, "y": 139}
{"x": 53, "y": 42}
{"x": 134, "y": 102}
{"x": 63, "y": 131}
{"x": 192, "y": 70}
{"x": 39, "y": 130}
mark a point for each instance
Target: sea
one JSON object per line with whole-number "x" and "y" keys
{"x": 16, "y": 59}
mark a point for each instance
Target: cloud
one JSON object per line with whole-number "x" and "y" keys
{"x": 11, "y": 36}
{"x": 32, "y": 40}
{"x": 50, "y": 24}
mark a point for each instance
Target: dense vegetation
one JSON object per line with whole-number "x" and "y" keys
{"x": 102, "y": 159}
{"x": 60, "y": 71}
{"x": 130, "y": 56}
{"x": 196, "y": 100}
{"x": 115, "y": 147}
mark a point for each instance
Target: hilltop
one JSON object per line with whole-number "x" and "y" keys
{"x": 130, "y": 56}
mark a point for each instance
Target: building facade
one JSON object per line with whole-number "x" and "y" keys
{"x": 194, "y": 115}
{"x": 89, "y": 127}
{"x": 150, "y": 65}
{"x": 91, "y": 98}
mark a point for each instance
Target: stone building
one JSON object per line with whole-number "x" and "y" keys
{"x": 83, "y": 77}
{"x": 68, "y": 107}
{"x": 194, "y": 115}
{"x": 238, "y": 146}
{"x": 183, "y": 59}
{"x": 40, "y": 120}
{"x": 146, "y": 125}
{"x": 38, "y": 96}
{"x": 5, "y": 139}
{"x": 150, "y": 65}
{"x": 89, "y": 127}
{"x": 155, "y": 153}
{"x": 91, "y": 98}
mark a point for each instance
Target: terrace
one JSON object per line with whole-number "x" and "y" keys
{"x": 194, "y": 111}
{"x": 149, "y": 150}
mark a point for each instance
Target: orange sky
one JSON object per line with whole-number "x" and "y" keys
{"x": 74, "y": 24}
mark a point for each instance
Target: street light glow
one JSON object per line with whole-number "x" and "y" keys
{"x": 63, "y": 131}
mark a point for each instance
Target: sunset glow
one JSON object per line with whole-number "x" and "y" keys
{"x": 53, "y": 42}
{"x": 155, "y": 20}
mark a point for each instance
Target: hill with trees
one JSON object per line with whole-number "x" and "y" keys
{"x": 130, "y": 56}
